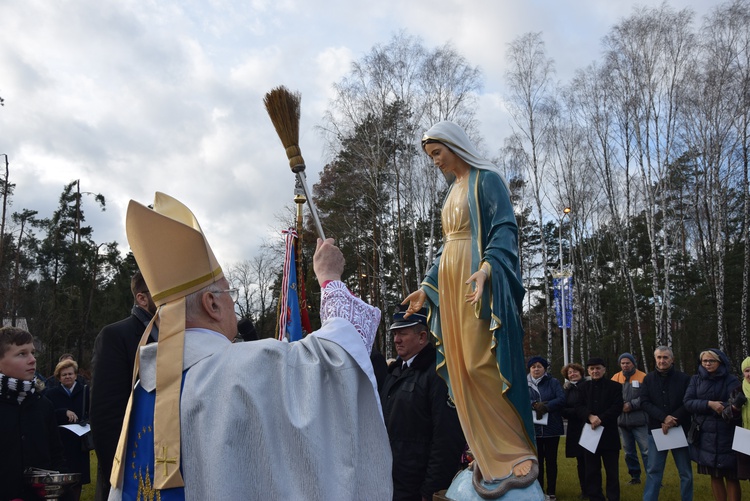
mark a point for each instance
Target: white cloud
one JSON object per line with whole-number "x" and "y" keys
{"x": 138, "y": 96}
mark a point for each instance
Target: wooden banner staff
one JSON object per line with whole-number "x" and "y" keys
{"x": 283, "y": 107}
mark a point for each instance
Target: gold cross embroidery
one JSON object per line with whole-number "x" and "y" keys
{"x": 166, "y": 461}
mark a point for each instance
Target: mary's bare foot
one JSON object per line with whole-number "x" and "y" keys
{"x": 523, "y": 468}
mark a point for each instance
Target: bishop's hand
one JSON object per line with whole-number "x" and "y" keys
{"x": 328, "y": 261}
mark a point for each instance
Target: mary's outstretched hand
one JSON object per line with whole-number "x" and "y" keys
{"x": 478, "y": 278}
{"x": 416, "y": 301}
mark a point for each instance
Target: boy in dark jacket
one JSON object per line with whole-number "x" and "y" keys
{"x": 29, "y": 435}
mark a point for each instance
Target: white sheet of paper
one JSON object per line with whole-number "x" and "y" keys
{"x": 543, "y": 421}
{"x": 741, "y": 442}
{"x": 590, "y": 437}
{"x": 77, "y": 428}
{"x": 674, "y": 439}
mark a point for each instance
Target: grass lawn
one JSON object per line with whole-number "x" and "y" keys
{"x": 567, "y": 481}
{"x": 568, "y": 489}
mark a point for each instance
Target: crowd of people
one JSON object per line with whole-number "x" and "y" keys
{"x": 424, "y": 431}
{"x": 173, "y": 413}
{"x": 633, "y": 408}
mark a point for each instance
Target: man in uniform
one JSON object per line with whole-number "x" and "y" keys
{"x": 423, "y": 427}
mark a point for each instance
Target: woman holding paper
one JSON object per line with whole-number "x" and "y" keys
{"x": 574, "y": 374}
{"x": 547, "y": 400}
{"x": 706, "y": 398}
{"x": 70, "y": 400}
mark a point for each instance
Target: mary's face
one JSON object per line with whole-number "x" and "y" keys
{"x": 746, "y": 374}
{"x": 445, "y": 160}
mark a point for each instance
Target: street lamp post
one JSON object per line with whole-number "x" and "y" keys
{"x": 563, "y": 278}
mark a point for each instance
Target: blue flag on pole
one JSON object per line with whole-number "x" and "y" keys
{"x": 564, "y": 284}
{"x": 290, "y": 323}
{"x": 293, "y": 323}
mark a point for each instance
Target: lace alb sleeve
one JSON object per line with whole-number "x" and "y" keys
{"x": 337, "y": 301}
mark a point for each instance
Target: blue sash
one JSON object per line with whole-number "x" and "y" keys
{"x": 140, "y": 460}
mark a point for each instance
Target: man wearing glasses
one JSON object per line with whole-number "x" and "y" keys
{"x": 307, "y": 425}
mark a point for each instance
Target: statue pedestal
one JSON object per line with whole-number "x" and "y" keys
{"x": 462, "y": 489}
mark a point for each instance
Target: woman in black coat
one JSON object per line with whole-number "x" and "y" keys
{"x": 70, "y": 400}
{"x": 547, "y": 397}
{"x": 574, "y": 374}
{"x": 706, "y": 397}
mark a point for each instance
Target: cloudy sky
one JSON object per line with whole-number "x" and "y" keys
{"x": 137, "y": 96}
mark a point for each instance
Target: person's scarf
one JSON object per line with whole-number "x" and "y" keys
{"x": 534, "y": 383}
{"x": 11, "y": 387}
{"x": 145, "y": 318}
{"x": 746, "y": 390}
{"x": 628, "y": 374}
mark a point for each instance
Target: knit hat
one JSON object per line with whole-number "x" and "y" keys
{"x": 536, "y": 359}
{"x": 628, "y": 356}
{"x": 176, "y": 260}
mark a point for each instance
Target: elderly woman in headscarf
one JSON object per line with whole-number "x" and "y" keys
{"x": 547, "y": 401}
{"x": 474, "y": 292}
{"x": 706, "y": 398}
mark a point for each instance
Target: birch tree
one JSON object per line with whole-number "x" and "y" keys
{"x": 647, "y": 56}
{"x": 530, "y": 86}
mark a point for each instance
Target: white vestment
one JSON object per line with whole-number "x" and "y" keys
{"x": 284, "y": 421}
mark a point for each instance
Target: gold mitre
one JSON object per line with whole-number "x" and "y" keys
{"x": 175, "y": 260}
{"x": 170, "y": 249}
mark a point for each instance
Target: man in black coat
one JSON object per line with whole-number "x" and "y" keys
{"x": 663, "y": 399}
{"x": 423, "y": 427}
{"x": 112, "y": 365}
{"x": 600, "y": 406}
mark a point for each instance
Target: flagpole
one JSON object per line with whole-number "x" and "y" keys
{"x": 299, "y": 200}
{"x": 563, "y": 292}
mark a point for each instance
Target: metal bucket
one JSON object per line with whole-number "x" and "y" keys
{"x": 49, "y": 484}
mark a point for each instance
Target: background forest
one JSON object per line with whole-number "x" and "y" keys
{"x": 648, "y": 147}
